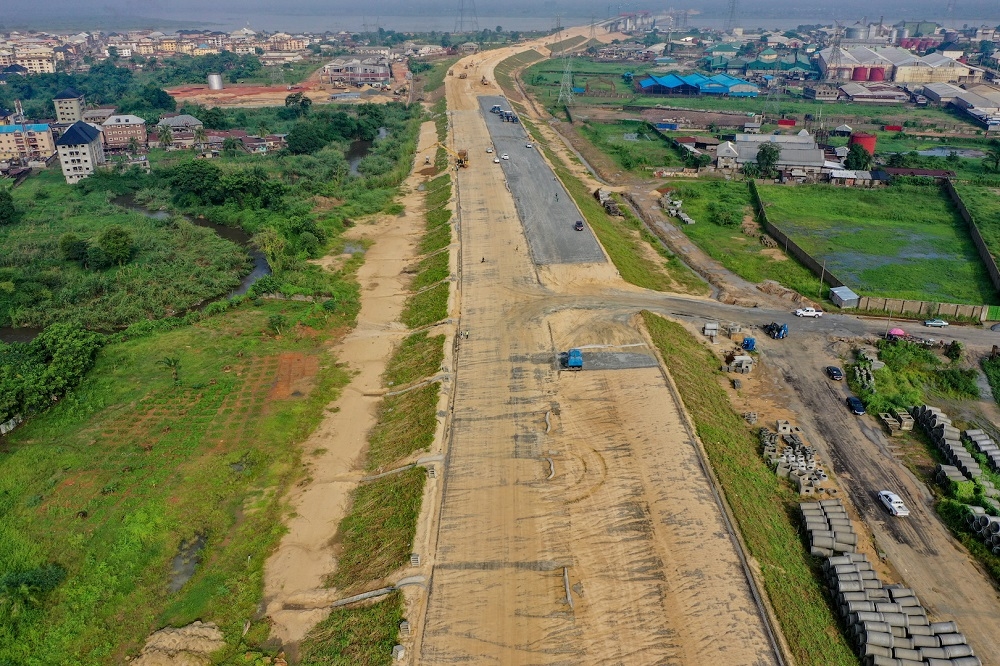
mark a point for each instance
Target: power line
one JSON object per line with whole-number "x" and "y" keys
{"x": 566, "y": 88}
{"x": 467, "y": 20}
{"x": 734, "y": 9}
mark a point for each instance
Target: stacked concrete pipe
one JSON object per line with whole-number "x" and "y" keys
{"x": 886, "y": 623}
{"x": 828, "y": 528}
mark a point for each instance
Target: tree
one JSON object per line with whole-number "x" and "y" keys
{"x": 73, "y": 247}
{"x": 8, "y": 211}
{"x": 117, "y": 243}
{"x": 262, "y": 130}
{"x": 133, "y": 145}
{"x": 197, "y": 180}
{"x": 166, "y": 137}
{"x": 305, "y": 138}
{"x": 992, "y": 159}
{"x": 767, "y": 159}
{"x": 272, "y": 244}
{"x": 231, "y": 145}
{"x": 446, "y": 40}
{"x": 277, "y": 322}
{"x": 954, "y": 350}
{"x": 499, "y": 29}
{"x": 858, "y": 158}
{"x": 97, "y": 258}
{"x": 174, "y": 364}
{"x": 299, "y": 102}
{"x": 896, "y": 161}
{"x": 113, "y": 53}
{"x": 201, "y": 137}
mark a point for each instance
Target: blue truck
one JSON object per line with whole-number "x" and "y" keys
{"x": 776, "y": 330}
{"x": 574, "y": 360}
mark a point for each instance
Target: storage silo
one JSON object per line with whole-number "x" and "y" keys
{"x": 876, "y": 74}
{"x": 854, "y": 32}
{"x": 860, "y": 74}
{"x": 215, "y": 81}
{"x": 866, "y": 141}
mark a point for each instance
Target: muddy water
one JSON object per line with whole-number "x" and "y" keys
{"x": 358, "y": 150}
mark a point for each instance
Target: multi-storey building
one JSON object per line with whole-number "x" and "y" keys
{"x": 69, "y": 106}
{"x": 80, "y": 151}
{"x": 36, "y": 63}
{"x": 23, "y": 141}
{"x": 119, "y": 130}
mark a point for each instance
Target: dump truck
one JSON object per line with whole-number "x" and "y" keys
{"x": 776, "y": 330}
{"x": 574, "y": 360}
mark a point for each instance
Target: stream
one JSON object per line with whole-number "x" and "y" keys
{"x": 358, "y": 150}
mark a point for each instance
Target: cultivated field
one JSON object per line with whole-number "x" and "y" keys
{"x": 634, "y": 145}
{"x": 899, "y": 242}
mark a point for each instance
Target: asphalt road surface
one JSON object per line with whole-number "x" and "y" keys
{"x": 545, "y": 208}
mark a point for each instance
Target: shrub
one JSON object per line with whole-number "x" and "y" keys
{"x": 73, "y": 247}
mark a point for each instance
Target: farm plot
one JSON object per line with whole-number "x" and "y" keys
{"x": 634, "y": 145}
{"x": 901, "y": 242}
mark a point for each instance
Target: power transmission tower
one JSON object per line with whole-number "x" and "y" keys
{"x": 593, "y": 27}
{"x": 467, "y": 20}
{"x": 558, "y": 26}
{"x": 566, "y": 89}
{"x": 734, "y": 8}
{"x": 951, "y": 13}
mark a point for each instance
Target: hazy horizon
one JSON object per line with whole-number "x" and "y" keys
{"x": 441, "y": 15}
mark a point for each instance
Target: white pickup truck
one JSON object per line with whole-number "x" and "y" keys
{"x": 808, "y": 312}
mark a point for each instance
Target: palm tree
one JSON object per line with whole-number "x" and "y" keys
{"x": 262, "y": 130}
{"x": 201, "y": 137}
{"x": 175, "y": 366}
{"x": 133, "y": 145}
{"x": 992, "y": 159}
{"x": 166, "y": 137}
{"x": 231, "y": 145}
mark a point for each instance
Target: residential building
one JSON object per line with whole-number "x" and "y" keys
{"x": 80, "y": 151}
{"x": 120, "y": 130}
{"x": 357, "y": 71}
{"x": 69, "y": 106}
{"x": 36, "y": 62}
{"x": 24, "y": 141}
{"x": 180, "y": 121}
{"x": 99, "y": 115}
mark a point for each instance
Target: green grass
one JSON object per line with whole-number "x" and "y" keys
{"x": 991, "y": 367}
{"x": 154, "y": 464}
{"x": 703, "y": 200}
{"x": 953, "y": 515}
{"x": 431, "y": 269}
{"x": 405, "y": 423}
{"x": 983, "y": 203}
{"x": 566, "y": 44}
{"x": 416, "y": 357}
{"x": 760, "y": 502}
{"x": 175, "y": 265}
{"x": 426, "y": 307}
{"x": 434, "y": 77}
{"x": 503, "y": 71}
{"x": 376, "y": 536}
{"x": 651, "y": 150}
{"x": 360, "y": 636}
{"x": 903, "y": 241}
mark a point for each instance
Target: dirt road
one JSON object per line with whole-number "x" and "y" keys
{"x": 576, "y": 525}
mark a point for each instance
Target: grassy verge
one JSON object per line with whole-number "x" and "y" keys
{"x": 151, "y": 463}
{"x": 431, "y": 270}
{"x": 623, "y": 239}
{"x": 426, "y": 307}
{"x": 434, "y": 78}
{"x": 376, "y": 537}
{"x": 504, "y": 70}
{"x": 418, "y": 356}
{"x": 405, "y": 424}
{"x": 362, "y": 636}
{"x": 759, "y": 501}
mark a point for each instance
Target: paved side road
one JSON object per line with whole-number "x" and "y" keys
{"x": 548, "y": 220}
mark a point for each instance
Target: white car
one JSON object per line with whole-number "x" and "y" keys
{"x": 489, "y": 150}
{"x": 808, "y": 312}
{"x": 529, "y": 145}
{"x": 505, "y": 156}
{"x": 496, "y": 160}
{"x": 893, "y": 503}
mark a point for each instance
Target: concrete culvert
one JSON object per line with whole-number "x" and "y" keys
{"x": 944, "y": 627}
{"x": 952, "y": 639}
{"x": 883, "y": 639}
{"x": 906, "y": 653}
{"x": 875, "y": 651}
{"x": 879, "y": 660}
{"x": 925, "y": 641}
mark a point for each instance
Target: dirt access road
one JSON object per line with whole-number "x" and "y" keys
{"x": 577, "y": 525}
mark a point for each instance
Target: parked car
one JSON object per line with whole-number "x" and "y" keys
{"x": 579, "y": 225}
{"x": 496, "y": 160}
{"x": 893, "y": 503}
{"x": 936, "y": 323}
{"x": 489, "y": 150}
{"x": 529, "y": 145}
{"x": 835, "y": 373}
{"x": 808, "y": 312}
{"x": 856, "y": 406}
{"x": 505, "y": 156}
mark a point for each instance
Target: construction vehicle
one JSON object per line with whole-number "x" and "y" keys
{"x": 749, "y": 344}
{"x": 496, "y": 108}
{"x": 461, "y": 157}
{"x": 574, "y": 359}
{"x": 463, "y": 75}
{"x": 776, "y": 330}
{"x": 451, "y": 72}
{"x": 485, "y": 82}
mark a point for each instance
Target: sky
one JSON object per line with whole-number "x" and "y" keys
{"x": 440, "y": 15}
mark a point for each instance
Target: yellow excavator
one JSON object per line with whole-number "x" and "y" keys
{"x": 461, "y": 157}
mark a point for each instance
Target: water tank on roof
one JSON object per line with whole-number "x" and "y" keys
{"x": 876, "y": 74}
{"x": 860, "y": 74}
{"x": 866, "y": 141}
{"x": 215, "y": 81}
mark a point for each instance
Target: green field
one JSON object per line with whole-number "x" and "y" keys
{"x": 983, "y": 203}
{"x": 708, "y": 201}
{"x": 899, "y": 242}
{"x": 760, "y": 502}
{"x": 648, "y": 149}
{"x": 112, "y": 480}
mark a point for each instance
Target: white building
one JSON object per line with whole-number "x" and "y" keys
{"x": 80, "y": 151}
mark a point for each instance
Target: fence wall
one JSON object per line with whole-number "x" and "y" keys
{"x": 977, "y": 238}
{"x": 891, "y": 305}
